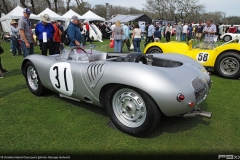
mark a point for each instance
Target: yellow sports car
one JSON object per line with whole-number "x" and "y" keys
{"x": 224, "y": 59}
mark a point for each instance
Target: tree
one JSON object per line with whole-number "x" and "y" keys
{"x": 68, "y": 3}
{"x": 4, "y": 7}
{"x": 56, "y": 7}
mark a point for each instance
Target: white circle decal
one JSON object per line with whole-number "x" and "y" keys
{"x": 202, "y": 57}
{"x": 61, "y": 78}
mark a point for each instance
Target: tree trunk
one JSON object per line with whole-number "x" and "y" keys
{"x": 33, "y": 7}
{"x": 56, "y": 9}
{"x": 49, "y": 4}
{"x": 68, "y": 3}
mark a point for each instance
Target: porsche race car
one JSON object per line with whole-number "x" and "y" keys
{"x": 136, "y": 90}
{"x": 224, "y": 59}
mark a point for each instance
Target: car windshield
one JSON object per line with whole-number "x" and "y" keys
{"x": 84, "y": 54}
{"x": 205, "y": 45}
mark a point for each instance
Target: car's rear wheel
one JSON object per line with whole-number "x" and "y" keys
{"x": 227, "y": 38}
{"x": 228, "y": 65}
{"x": 131, "y": 110}
{"x": 153, "y": 50}
{"x": 32, "y": 79}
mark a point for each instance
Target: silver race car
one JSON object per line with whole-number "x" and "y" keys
{"x": 136, "y": 90}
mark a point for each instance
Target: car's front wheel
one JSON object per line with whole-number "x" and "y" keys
{"x": 131, "y": 110}
{"x": 154, "y": 50}
{"x": 228, "y": 65}
{"x": 227, "y": 38}
{"x": 32, "y": 79}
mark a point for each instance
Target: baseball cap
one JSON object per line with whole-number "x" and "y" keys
{"x": 27, "y": 10}
{"x": 75, "y": 17}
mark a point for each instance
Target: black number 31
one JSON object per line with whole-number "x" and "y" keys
{"x": 57, "y": 78}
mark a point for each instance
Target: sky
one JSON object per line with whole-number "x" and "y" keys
{"x": 230, "y": 7}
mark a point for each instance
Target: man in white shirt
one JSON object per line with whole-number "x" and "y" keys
{"x": 209, "y": 32}
{"x": 184, "y": 32}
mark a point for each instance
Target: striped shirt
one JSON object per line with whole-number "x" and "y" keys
{"x": 209, "y": 37}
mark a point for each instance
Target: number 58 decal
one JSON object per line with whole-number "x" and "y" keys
{"x": 61, "y": 78}
{"x": 202, "y": 57}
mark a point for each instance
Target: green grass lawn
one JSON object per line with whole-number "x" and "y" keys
{"x": 52, "y": 125}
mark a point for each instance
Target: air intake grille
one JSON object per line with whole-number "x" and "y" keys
{"x": 94, "y": 73}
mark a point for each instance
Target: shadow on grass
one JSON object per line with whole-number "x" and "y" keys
{"x": 10, "y": 90}
{"x": 84, "y": 105}
{"x": 13, "y": 72}
{"x": 180, "y": 124}
{"x": 167, "y": 124}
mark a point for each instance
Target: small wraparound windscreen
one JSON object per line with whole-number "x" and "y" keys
{"x": 165, "y": 63}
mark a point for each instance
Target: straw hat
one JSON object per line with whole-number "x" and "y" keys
{"x": 45, "y": 18}
{"x": 13, "y": 22}
{"x": 179, "y": 22}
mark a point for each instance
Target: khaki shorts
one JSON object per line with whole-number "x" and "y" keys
{"x": 198, "y": 34}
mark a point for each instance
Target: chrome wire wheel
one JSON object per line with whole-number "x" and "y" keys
{"x": 229, "y": 66}
{"x": 129, "y": 108}
{"x": 32, "y": 78}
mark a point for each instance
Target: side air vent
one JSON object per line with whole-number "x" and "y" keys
{"x": 94, "y": 73}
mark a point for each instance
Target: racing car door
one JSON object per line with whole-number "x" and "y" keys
{"x": 203, "y": 54}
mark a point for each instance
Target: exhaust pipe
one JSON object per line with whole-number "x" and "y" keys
{"x": 198, "y": 113}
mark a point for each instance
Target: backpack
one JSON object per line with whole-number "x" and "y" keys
{"x": 65, "y": 38}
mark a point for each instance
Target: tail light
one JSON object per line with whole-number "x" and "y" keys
{"x": 180, "y": 97}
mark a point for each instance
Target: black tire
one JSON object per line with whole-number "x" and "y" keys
{"x": 227, "y": 38}
{"x": 32, "y": 79}
{"x": 228, "y": 65}
{"x": 146, "y": 117}
{"x": 154, "y": 50}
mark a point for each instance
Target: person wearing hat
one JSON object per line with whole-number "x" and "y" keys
{"x": 24, "y": 25}
{"x": 45, "y": 31}
{"x": 74, "y": 32}
{"x": 14, "y": 33}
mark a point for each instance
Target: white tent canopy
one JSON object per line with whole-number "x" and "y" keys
{"x": 52, "y": 14}
{"x": 16, "y": 13}
{"x": 70, "y": 13}
{"x": 90, "y": 16}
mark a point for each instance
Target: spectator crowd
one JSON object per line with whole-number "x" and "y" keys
{"x": 51, "y": 35}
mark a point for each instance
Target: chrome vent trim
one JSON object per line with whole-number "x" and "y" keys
{"x": 94, "y": 73}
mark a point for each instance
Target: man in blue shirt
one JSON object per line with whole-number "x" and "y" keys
{"x": 125, "y": 37}
{"x": 74, "y": 32}
{"x": 150, "y": 31}
{"x": 45, "y": 31}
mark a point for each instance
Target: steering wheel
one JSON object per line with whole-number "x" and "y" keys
{"x": 78, "y": 47}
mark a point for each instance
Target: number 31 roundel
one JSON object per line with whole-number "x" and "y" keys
{"x": 61, "y": 78}
{"x": 202, "y": 57}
